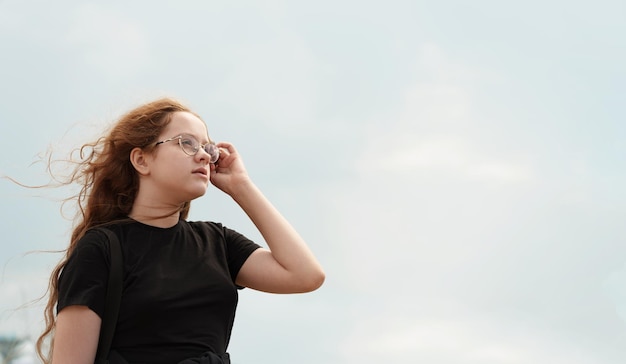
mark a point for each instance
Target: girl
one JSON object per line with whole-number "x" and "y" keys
{"x": 180, "y": 277}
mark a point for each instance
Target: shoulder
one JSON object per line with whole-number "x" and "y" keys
{"x": 94, "y": 239}
{"x": 205, "y": 227}
{"x": 203, "y": 224}
{"x": 214, "y": 229}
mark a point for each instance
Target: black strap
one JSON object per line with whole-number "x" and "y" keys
{"x": 113, "y": 297}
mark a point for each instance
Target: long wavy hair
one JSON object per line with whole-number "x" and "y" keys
{"x": 108, "y": 186}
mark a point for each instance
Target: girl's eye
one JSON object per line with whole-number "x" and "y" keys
{"x": 187, "y": 142}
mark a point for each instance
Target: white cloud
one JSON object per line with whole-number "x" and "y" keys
{"x": 439, "y": 94}
{"x": 501, "y": 171}
{"x": 615, "y": 288}
{"x": 107, "y": 40}
{"x": 429, "y": 133}
{"x": 436, "y": 102}
{"x": 20, "y": 313}
{"x": 272, "y": 80}
{"x": 469, "y": 338}
{"x": 407, "y": 154}
{"x": 443, "y": 209}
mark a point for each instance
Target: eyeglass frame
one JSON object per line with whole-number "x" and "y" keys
{"x": 213, "y": 157}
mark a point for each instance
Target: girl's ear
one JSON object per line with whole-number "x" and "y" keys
{"x": 139, "y": 159}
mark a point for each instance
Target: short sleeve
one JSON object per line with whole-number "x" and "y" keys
{"x": 83, "y": 280}
{"x": 238, "y": 249}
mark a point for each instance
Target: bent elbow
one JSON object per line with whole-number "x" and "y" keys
{"x": 314, "y": 281}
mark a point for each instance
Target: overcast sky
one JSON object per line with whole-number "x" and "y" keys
{"x": 457, "y": 166}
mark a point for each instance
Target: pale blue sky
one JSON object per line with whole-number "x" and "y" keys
{"x": 457, "y": 166}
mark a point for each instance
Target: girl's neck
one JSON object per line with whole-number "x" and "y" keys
{"x": 164, "y": 217}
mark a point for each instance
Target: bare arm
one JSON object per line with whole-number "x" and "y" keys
{"x": 288, "y": 266}
{"x": 76, "y": 336}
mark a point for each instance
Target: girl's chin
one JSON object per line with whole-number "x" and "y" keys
{"x": 198, "y": 193}
{"x": 191, "y": 192}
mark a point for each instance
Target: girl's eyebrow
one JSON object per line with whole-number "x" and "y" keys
{"x": 200, "y": 140}
{"x": 204, "y": 140}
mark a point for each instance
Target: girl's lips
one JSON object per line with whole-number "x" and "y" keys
{"x": 202, "y": 171}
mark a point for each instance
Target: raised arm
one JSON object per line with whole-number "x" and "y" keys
{"x": 288, "y": 266}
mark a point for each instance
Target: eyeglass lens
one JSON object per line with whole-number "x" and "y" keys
{"x": 191, "y": 146}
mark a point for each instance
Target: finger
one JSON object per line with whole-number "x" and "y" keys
{"x": 224, "y": 156}
{"x": 227, "y": 146}
{"x": 227, "y": 153}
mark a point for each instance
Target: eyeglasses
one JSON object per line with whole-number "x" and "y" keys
{"x": 191, "y": 146}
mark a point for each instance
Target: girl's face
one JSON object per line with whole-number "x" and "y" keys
{"x": 174, "y": 175}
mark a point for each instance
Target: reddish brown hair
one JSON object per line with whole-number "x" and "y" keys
{"x": 109, "y": 184}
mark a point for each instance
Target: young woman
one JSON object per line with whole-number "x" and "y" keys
{"x": 180, "y": 277}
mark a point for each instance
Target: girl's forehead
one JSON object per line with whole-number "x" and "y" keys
{"x": 188, "y": 123}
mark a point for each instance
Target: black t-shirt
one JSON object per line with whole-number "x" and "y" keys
{"x": 179, "y": 297}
